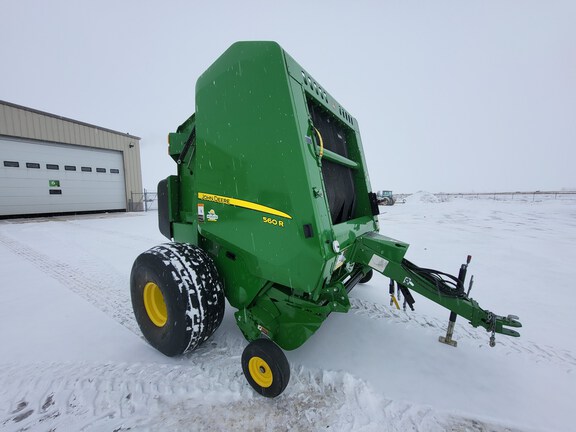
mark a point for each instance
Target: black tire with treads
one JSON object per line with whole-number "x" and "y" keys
{"x": 367, "y": 277}
{"x": 190, "y": 290}
{"x": 265, "y": 367}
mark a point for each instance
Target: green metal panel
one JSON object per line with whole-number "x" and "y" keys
{"x": 253, "y": 143}
{"x": 249, "y": 148}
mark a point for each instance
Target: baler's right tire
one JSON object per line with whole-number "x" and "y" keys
{"x": 265, "y": 367}
{"x": 367, "y": 277}
{"x": 177, "y": 297}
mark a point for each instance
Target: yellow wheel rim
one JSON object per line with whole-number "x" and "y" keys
{"x": 154, "y": 304}
{"x": 260, "y": 372}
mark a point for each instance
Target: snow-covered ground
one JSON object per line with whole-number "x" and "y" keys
{"x": 73, "y": 359}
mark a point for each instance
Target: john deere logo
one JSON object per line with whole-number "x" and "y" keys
{"x": 212, "y": 216}
{"x": 54, "y": 183}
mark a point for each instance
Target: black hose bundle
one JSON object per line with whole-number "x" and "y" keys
{"x": 445, "y": 283}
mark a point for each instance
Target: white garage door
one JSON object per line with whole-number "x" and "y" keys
{"x": 38, "y": 177}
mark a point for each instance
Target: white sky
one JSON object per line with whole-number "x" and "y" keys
{"x": 450, "y": 95}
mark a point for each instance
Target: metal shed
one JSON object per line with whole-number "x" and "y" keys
{"x": 52, "y": 164}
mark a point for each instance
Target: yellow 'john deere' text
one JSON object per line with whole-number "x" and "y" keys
{"x": 241, "y": 203}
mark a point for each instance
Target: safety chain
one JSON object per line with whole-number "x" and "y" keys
{"x": 491, "y": 320}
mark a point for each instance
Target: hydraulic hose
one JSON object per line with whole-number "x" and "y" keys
{"x": 445, "y": 283}
{"x": 321, "y": 141}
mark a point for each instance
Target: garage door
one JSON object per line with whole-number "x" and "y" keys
{"x": 39, "y": 177}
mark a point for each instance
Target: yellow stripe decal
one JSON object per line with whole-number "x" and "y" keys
{"x": 241, "y": 203}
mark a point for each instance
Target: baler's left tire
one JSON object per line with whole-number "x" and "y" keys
{"x": 265, "y": 367}
{"x": 366, "y": 277}
{"x": 177, "y": 297}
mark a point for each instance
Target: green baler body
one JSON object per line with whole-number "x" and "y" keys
{"x": 272, "y": 183}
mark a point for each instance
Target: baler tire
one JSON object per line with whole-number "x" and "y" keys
{"x": 265, "y": 367}
{"x": 367, "y": 277}
{"x": 177, "y": 297}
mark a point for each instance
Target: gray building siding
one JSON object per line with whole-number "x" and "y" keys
{"x": 22, "y": 122}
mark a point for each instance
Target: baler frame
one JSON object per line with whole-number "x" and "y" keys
{"x": 272, "y": 187}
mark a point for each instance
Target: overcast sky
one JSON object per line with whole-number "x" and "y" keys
{"x": 450, "y": 95}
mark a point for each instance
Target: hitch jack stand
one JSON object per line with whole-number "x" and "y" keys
{"x": 449, "y": 332}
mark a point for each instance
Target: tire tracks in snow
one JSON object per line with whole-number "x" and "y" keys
{"x": 107, "y": 290}
{"x": 118, "y": 234}
{"x": 121, "y": 397}
{"x": 539, "y": 353}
